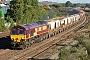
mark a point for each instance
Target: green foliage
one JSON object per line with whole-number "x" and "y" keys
{"x": 88, "y": 26}
{"x": 10, "y": 20}
{"x": 82, "y": 52}
{"x": 1, "y": 23}
{"x": 34, "y": 3}
{"x": 84, "y": 44}
{"x": 83, "y": 57}
{"x": 68, "y": 4}
{"x": 80, "y": 39}
{"x": 88, "y": 5}
{"x": 87, "y": 46}
{"x": 73, "y": 50}
{"x": 16, "y": 10}
{"x": 57, "y": 10}
{"x": 63, "y": 53}
{"x": 88, "y": 49}
{"x": 25, "y": 11}
{"x": 56, "y": 5}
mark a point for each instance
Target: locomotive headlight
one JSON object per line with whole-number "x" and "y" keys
{"x": 12, "y": 39}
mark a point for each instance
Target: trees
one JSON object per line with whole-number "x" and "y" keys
{"x": 25, "y": 11}
{"x": 87, "y": 5}
{"x": 16, "y": 10}
{"x": 68, "y": 4}
{"x": 57, "y": 10}
{"x": 10, "y": 20}
{"x": 2, "y": 24}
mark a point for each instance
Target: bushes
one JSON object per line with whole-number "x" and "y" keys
{"x": 82, "y": 52}
{"x": 63, "y": 53}
{"x": 87, "y": 46}
{"x": 84, "y": 43}
{"x": 73, "y": 50}
{"x": 2, "y": 27}
{"x": 80, "y": 39}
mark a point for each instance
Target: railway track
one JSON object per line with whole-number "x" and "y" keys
{"x": 54, "y": 45}
{"x": 4, "y": 34}
{"x": 38, "y": 49}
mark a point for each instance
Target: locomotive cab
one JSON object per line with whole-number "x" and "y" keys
{"x": 18, "y": 34}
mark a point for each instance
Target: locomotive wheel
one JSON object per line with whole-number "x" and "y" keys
{"x": 41, "y": 39}
{"x": 32, "y": 41}
{"x": 55, "y": 33}
{"x": 24, "y": 45}
{"x": 27, "y": 44}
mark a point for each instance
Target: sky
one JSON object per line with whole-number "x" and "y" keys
{"x": 63, "y": 1}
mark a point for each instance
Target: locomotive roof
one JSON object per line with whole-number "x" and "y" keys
{"x": 33, "y": 25}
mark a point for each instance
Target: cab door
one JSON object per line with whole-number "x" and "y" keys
{"x": 27, "y": 34}
{"x": 32, "y": 33}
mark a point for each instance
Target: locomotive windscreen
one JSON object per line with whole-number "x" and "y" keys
{"x": 17, "y": 31}
{"x": 14, "y": 31}
{"x": 21, "y": 31}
